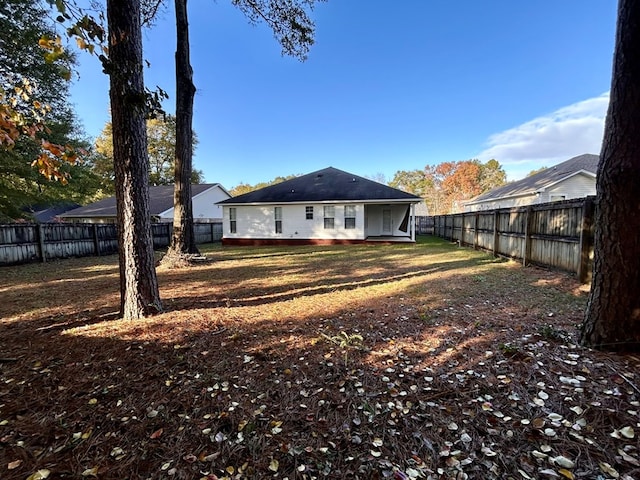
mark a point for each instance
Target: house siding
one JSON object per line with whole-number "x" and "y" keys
{"x": 502, "y": 203}
{"x": 204, "y": 206}
{"x": 258, "y": 222}
{"x": 578, "y": 186}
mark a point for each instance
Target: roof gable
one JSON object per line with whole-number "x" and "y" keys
{"x": 160, "y": 200}
{"x": 329, "y": 184}
{"x": 586, "y": 163}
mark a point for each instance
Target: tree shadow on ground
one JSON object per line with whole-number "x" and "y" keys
{"x": 305, "y": 379}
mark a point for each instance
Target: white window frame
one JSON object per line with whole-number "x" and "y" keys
{"x": 349, "y": 217}
{"x": 277, "y": 214}
{"x": 233, "y": 222}
{"x": 329, "y": 217}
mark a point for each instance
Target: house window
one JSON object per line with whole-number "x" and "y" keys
{"x": 232, "y": 219}
{"x": 308, "y": 211}
{"x": 329, "y": 216}
{"x": 349, "y": 217}
{"x": 278, "y": 216}
{"x": 557, "y": 198}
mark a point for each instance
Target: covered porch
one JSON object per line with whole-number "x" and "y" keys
{"x": 391, "y": 222}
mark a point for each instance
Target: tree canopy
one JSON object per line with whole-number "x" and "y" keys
{"x": 161, "y": 135}
{"x": 34, "y": 88}
{"x": 242, "y": 187}
{"x": 446, "y": 185}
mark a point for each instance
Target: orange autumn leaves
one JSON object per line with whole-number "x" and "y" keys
{"x": 21, "y": 115}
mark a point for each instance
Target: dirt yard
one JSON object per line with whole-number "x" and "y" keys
{"x": 422, "y": 361}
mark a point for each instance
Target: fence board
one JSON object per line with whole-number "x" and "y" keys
{"x": 22, "y": 243}
{"x": 556, "y": 234}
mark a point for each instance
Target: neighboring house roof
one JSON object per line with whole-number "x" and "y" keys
{"x": 48, "y": 213}
{"x": 327, "y": 185}
{"x": 586, "y": 164}
{"x": 160, "y": 200}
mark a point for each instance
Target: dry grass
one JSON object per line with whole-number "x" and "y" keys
{"x": 405, "y": 361}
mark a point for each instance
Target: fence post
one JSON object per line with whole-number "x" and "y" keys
{"x": 526, "y": 247}
{"x": 586, "y": 240}
{"x": 475, "y": 231}
{"x": 96, "y": 239}
{"x": 495, "y": 233}
{"x": 41, "y": 246}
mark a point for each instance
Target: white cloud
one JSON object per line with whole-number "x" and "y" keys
{"x": 547, "y": 140}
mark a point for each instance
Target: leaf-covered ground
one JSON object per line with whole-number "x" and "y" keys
{"x": 408, "y": 361}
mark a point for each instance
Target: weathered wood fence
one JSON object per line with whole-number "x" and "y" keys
{"x": 424, "y": 225}
{"x": 557, "y": 234}
{"x": 28, "y": 242}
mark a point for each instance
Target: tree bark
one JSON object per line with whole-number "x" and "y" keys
{"x": 612, "y": 319}
{"x": 183, "y": 240}
{"x": 139, "y": 295}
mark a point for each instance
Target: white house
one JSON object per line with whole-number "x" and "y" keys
{"x": 204, "y": 198}
{"x": 324, "y": 207}
{"x": 574, "y": 178}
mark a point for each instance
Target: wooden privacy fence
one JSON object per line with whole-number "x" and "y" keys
{"x": 28, "y": 242}
{"x": 424, "y": 225}
{"x": 557, "y": 234}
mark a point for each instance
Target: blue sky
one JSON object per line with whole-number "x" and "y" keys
{"x": 388, "y": 86}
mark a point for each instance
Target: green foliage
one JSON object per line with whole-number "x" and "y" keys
{"x": 345, "y": 341}
{"x": 288, "y": 19}
{"x": 243, "y": 188}
{"x": 23, "y": 24}
{"x": 533, "y": 172}
{"x": 491, "y": 175}
{"x": 412, "y": 181}
{"x": 161, "y": 134}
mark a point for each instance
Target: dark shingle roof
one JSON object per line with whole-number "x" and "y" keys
{"x": 543, "y": 179}
{"x": 329, "y": 184}
{"x": 48, "y": 213}
{"x": 160, "y": 200}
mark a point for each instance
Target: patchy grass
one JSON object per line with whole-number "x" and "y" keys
{"x": 405, "y": 361}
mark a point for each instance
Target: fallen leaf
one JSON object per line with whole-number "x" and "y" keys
{"x": 274, "y": 465}
{"x": 609, "y": 470}
{"x": 538, "y": 423}
{"x": 628, "y": 458}
{"x": 627, "y": 432}
{"x": 563, "y": 461}
{"x": 549, "y": 472}
{"x": 14, "y": 464}
{"x": 39, "y": 475}
{"x": 90, "y": 472}
{"x": 156, "y": 434}
{"x": 566, "y": 473}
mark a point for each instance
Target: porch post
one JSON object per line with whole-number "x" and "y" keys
{"x": 413, "y": 222}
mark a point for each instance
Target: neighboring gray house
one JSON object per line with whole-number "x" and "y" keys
{"x": 324, "y": 207}
{"x": 574, "y": 178}
{"x": 204, "y": 197}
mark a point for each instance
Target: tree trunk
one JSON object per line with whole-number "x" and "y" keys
{"x": 183, "y": 240}
{"x": 612, "y": 320}
{"x": 139, "y": 294}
